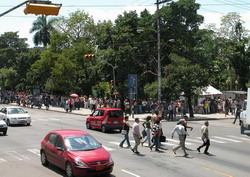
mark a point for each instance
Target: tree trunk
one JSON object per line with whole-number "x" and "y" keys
{"x": 190, "y": 108}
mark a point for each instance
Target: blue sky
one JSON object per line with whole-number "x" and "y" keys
{"x": 212, "y": 10}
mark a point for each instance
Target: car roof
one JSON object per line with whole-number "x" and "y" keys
{"x": 69, "y": 132}
{"x": 12, "y": 107}
{"x": 109, "y": 109}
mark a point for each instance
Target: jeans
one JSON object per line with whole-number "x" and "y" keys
{"x": 126, "y": 138}
{"x": 155, "y": 142}
{"x": 148, "y": 137}
{"x": 205, "y": 143}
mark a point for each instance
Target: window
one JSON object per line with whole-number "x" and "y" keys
{"x": 59, "y": 143}
{"x": 52, "y": 139}
{"x": 99, "y": 113}
{"x": 115, "y": 113}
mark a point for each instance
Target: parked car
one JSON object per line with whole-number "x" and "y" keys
{"x": 76, "y": 152}
{"x": 3, "y": 126}
{"x": 15, "y": 115}
{"x": 105, "y": 119}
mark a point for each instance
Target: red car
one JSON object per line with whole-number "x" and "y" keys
{"x": 105, "y": 119}
{"x": 76, "y": 152}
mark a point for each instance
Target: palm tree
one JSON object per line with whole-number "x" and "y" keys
{"x": 43, "y": 28}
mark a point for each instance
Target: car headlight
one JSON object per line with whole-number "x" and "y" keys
{"x": 110, "y": 160}
{"x": 79, "y": 162}
{"x": 14, "y": 118}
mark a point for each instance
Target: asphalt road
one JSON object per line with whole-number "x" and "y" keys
{"x": 229, "y": 150}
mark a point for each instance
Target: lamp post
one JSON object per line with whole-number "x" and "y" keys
{"x": 159, "y": 47}
{"x": 113, "y": 72}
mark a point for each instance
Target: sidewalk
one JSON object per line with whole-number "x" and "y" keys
{"x": 142, "y": 117}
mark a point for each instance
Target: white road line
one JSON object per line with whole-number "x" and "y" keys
{"x": 55, "y": 119}
{"x": 108, "y": 148}
{"x": 168, "y": 144}
{"x": 196, "y": 141}
{"x": 16, "y": 155}
{"x": 2, "y": 160}
{"x": 35, "y": 151}
{"x": 45, "y": 120}
{"x": 176, "y": 141}
{"x": 221, "y": 142}
{"x": 241, "y": 138}
{"x": 228, "y": 139}
{"x": 125, "y": 171}
{"x": 116, "y": 143}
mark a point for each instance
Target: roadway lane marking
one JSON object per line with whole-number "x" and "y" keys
{"x": 218, "y": 172}
{"x": 221, "y": 142}
{"x": 228, "y": 139}
{"x": 35, "y": 151}
{"x": 16, "y": 155}
{"x": 55, "y": 119}
{"x": 176, "y": 141}
{"x": 108, "y": 148}
{"x": 2, "y": 160}
{"x": 116, "y": 143}
{"x": 125, "y": 171}
{"x": 196, "y": 141}
{"x": 169, "y": 144}
{"x": 241, "y": 138}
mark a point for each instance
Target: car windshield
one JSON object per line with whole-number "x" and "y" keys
{"x": 81, "y": 143}
{"x": 16, "y": 111}
{"x": 116, "y": 113}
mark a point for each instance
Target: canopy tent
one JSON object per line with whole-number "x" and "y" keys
{"x": 209, "y": 91}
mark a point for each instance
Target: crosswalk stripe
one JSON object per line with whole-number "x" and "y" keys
{"x": 116, "y": 143}
{"x": 35, "y": 151}
{"x": 54, "y": 119}
{"x": 241, "y": 138}
{"x": 212, "y": 140}
{"x": 176, "y": 141}
{"x": 108, "y": 148}
{"x": 168, "y": 144}
{"x": 193, "y": 140}
{"x": 228, "y": 139}
{"x": 16, "y": 155}
{"x": 2, "y": 160}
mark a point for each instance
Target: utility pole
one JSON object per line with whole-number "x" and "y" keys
{"x": 158, "y": 2}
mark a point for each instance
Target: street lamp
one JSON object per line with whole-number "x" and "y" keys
{"x": 113, "y": 72}
{"x": 159, "y": 47}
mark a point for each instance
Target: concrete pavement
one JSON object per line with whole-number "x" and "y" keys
{"x": 86, "y": 112}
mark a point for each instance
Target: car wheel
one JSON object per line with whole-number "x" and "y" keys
{"x": 88, "y": 125}
{"x": 104, "y": 130}
{"x": 242, "y": 128}
{"x": 69, "y": 170}
{"x": 5, "y": 132}
{"x": 44, "y": 160}
{"x": 8, "y": 122}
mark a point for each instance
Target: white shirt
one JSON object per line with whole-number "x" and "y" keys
{"x": 179, "y": 129}
{"x": 135, "y": 129}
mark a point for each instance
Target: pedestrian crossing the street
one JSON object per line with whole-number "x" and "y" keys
{"x": 31, "y": 153}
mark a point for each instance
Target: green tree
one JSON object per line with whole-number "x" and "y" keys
{"x": 183, "y": 76}
{"x": 42, "y": 28}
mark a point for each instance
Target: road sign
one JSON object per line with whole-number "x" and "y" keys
{"x": 132, "y": 84}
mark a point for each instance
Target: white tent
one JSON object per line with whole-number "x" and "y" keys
{"x": 210, "y": 90}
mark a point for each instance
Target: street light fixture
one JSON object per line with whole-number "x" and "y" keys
{"x": 159, "y": 47}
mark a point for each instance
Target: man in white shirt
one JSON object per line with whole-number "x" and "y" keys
{"x": 136, "y": 135}
{"x": 205, "y": 138}
{"x": 180, "y": 130}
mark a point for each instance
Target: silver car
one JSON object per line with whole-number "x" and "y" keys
{"x": 15, "y": 115}
{"x": 3, "y": 127}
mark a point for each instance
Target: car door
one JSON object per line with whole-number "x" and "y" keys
{"x": 93, "y": 120}
{"x": 99, "y": 118}
{"x": 51, "y": 149}
{"x": 60, "y": 153}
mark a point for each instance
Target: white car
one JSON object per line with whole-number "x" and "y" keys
{"x": 15, "y": 115}
{"x": 3, "y": 127}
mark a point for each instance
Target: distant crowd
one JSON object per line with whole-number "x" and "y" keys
{"x": 167, "y": 109}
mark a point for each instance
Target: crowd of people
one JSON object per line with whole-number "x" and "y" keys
{"x": 167, "y": 109}
{"x": 153, "y": 134}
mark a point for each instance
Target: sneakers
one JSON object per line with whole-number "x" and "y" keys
{"x": 185, "y": 155}
{"x": 174, "y": 151}
{"x": 207, "y": 153}
{"x": 150, "y": 147}
{"x": 198, "y": 150}
{"x": 120, "y": 146}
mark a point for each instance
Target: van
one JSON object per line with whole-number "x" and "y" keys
{"x": 245, "y": 114}
{"x": 105, "y": 119}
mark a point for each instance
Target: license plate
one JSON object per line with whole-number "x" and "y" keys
{"x": 115, "y": 122}
{"x": 22, "y": 121}
{"x": 99, "y": 168}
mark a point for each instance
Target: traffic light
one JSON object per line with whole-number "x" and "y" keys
{"x": 42, "y": 7}
{"x": 89, "y": 55}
